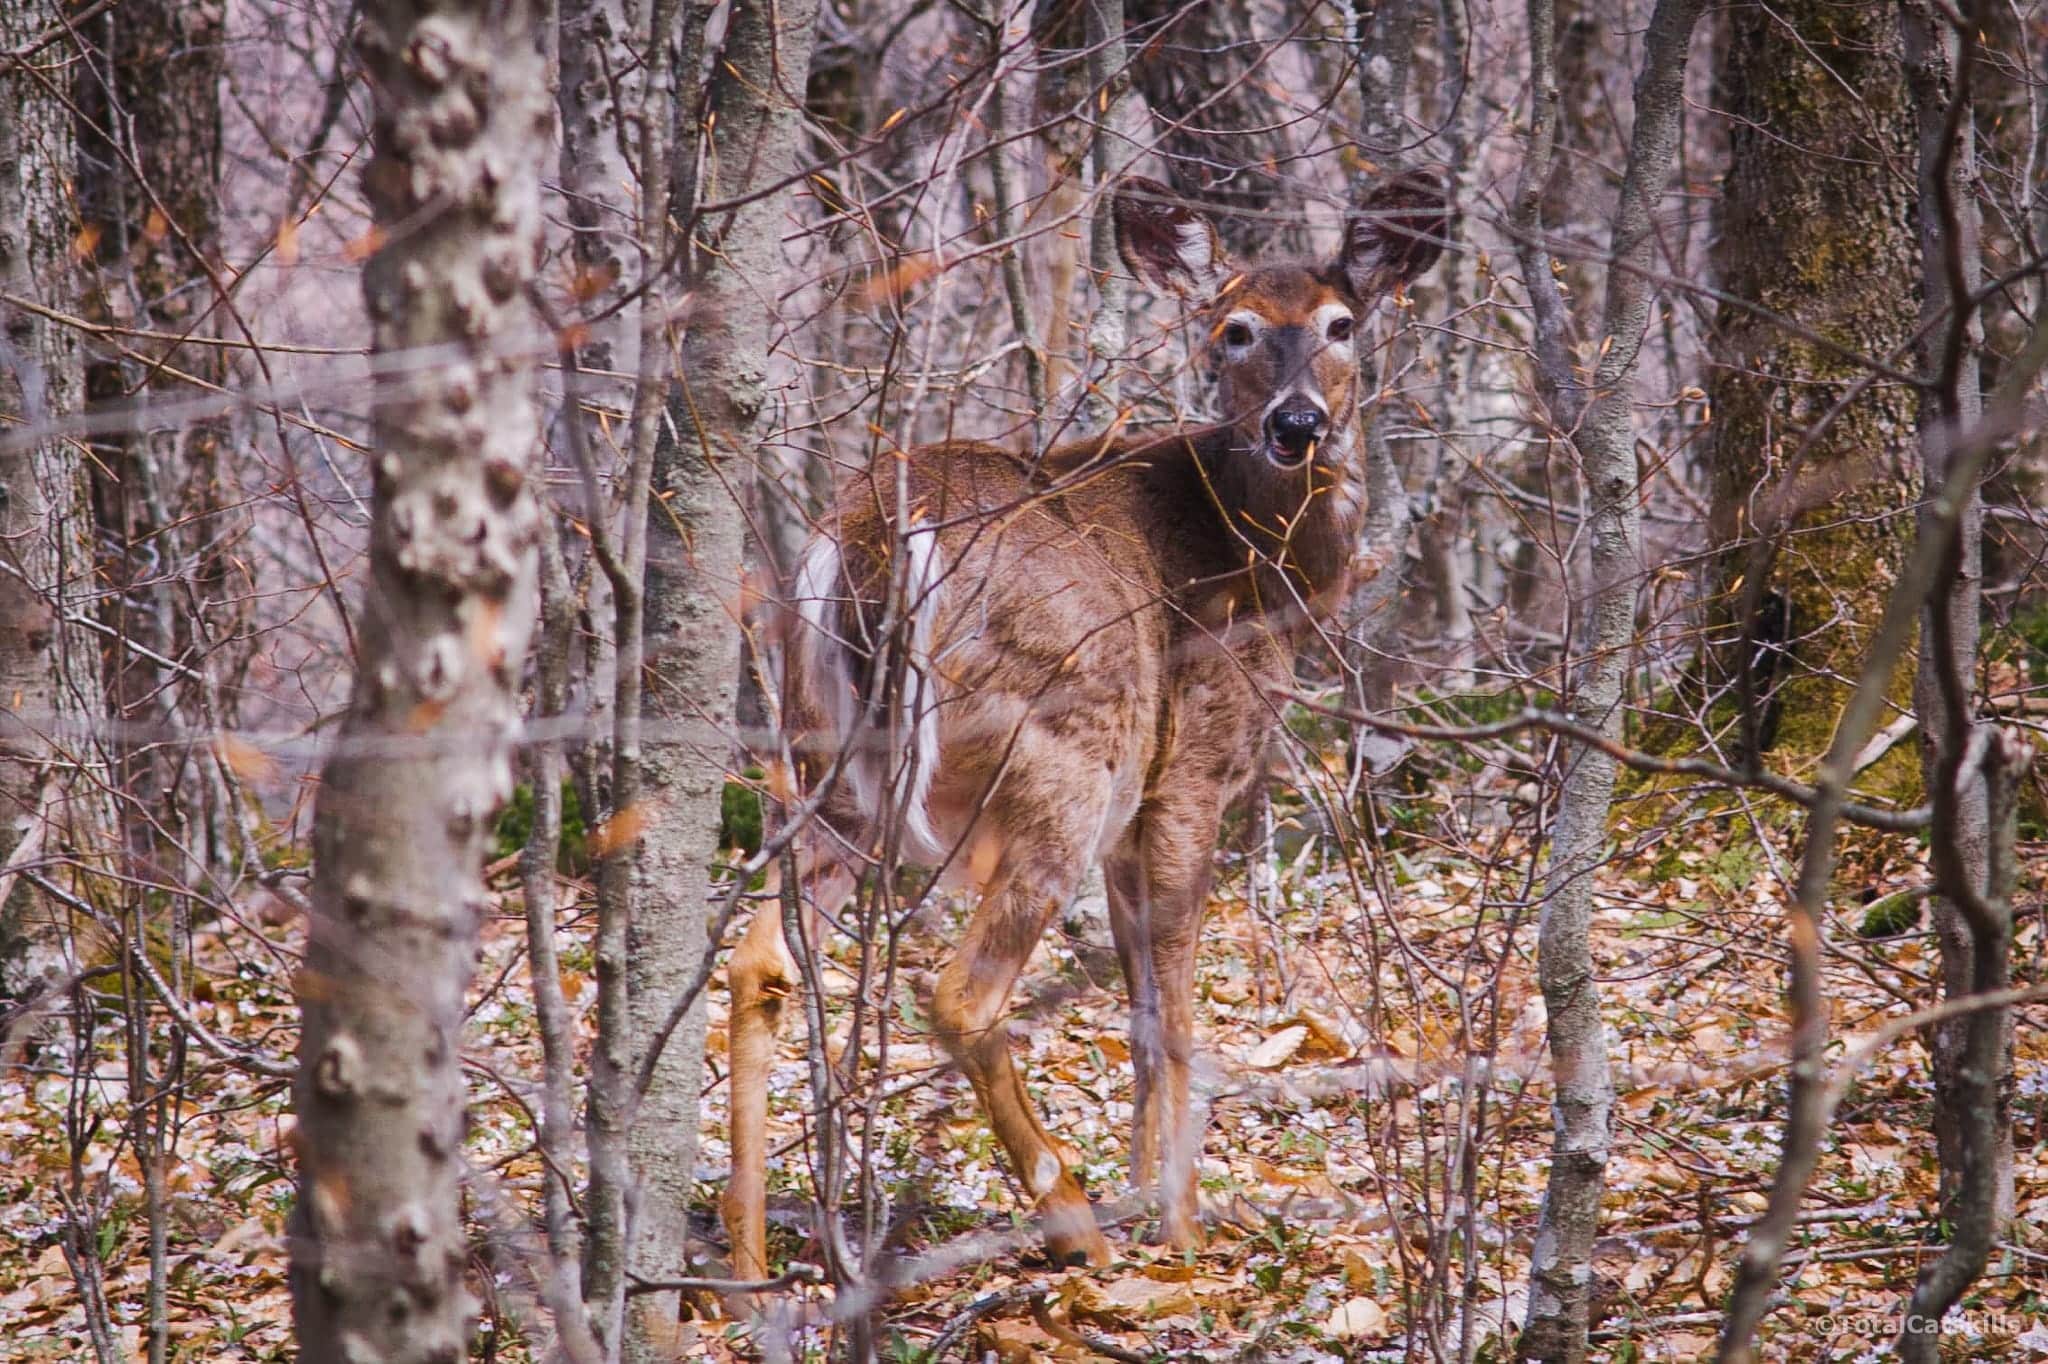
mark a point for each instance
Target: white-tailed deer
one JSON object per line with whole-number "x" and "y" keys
{"x": 1030, "y": 665}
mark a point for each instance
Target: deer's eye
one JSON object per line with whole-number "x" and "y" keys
{"x": 1236, "y": 334}
{"x": 1340, "y": 328}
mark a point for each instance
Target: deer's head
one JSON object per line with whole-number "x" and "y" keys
{"x": 1284, "y": 338}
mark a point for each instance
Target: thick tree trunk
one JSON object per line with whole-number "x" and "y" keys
{"x": 1817, "y": 206}
{"x": 694, "y": 565}
{"x": 423, "y": 757}
{"x": 149, "y": 182}
{"x": 45, "y": 527}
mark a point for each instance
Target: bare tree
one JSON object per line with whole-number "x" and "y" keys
{"x": 423, "y": 758}
{"x": 1115, "y": 144}
{"x": 703, "y": 459}
{"x": 1599, "y": 425}
{"x": 1813, "y": 430}
{"x": 763, "y": 261}
{"x": 1946, "y": 684}
{"x": 1385, "y": 34}
{"x": 48, "y": 665}
{"x": 722, "y": 399}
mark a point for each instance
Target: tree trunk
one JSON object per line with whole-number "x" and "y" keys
{"x": 423, "y": 757}
{"x": 1951, "y": 262}
{"x": 46, "y": 665}
{"x": 694, "y": 564}
{"x": 1560, "y": 1271}
{"x": 1116, "y": 145}
{"x": 1818, "y": 205}
{"x": 1208, "y": 79}
{"x": 149, "y": 182}
{"x": 1372, "y": 626}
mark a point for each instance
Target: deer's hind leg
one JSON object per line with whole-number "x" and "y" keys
{"x": 763, "y": 979}
{"x": 1030, "y": 885}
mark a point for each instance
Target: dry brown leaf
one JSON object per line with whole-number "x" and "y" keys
{"x": 1277, "y": 1049}
{"x": 612, "y": 834}
{"x": 1325, "y": 1038}
{"x": 363, "y": 247}
{"x": 1357, "y": 1318}
{"x": 250, "y": 1233}
{"x": 245, "y": 759}
{"x": 1127, "y": 1302}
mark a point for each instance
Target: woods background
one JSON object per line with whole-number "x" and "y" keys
{"x": 412, "y": 411}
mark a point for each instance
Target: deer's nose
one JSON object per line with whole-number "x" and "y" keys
{"x": 1294, "y": 428}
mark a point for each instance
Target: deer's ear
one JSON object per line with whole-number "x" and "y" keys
{"x": 1162, "y": 240}
{"x": 1397, "y": 233}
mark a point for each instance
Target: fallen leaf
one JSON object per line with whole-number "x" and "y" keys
{"x": 1358, "y": 1317}
{"x": 1277, "y": 1049}
{"x": 248, "y": 1233}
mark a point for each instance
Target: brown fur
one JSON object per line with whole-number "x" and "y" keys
{"x": 1103, "y": 649}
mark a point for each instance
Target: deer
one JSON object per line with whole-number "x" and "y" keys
{"x": 1027, "y": 664}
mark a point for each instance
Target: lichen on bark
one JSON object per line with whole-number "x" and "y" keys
{"x": 48, "y": 668}
{"x": 1818, "y": 204}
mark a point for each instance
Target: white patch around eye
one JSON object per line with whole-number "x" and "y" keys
{"x": 1246, "y": 318}
{"x": 1328, "y": 315}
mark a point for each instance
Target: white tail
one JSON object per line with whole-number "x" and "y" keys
{"x": 829, "y": 665}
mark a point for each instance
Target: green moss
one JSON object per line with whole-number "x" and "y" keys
{"x": 1891, "y": 915}
{"x": 739, "y": 812}
{"x": 515, "y": 827}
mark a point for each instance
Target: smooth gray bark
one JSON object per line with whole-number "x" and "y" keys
{"x": 1972, "y": 846}
{"x": 1385, "y": 34}
{"x": 1003, "y": 182}
{"x": 1560, "y": 1271}
{"x": 608, "y": 76}
{"x": 705, "y": 456}
{"x": 1112, "y": 150}
{"x": 603, "y": 80}
{"x": 423, "y": 757}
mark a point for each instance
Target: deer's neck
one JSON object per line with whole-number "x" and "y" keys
{"x": 1290, "y": 534}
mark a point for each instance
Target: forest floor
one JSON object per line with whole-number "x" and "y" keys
{"x": 1378, "y": 1131}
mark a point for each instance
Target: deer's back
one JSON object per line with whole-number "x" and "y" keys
{"x": 1044, "y": 622}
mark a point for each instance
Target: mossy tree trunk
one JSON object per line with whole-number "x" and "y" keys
{"x": 1817, "y": 232}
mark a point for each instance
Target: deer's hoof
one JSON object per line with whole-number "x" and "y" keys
{"x": 1071, "y": 1236}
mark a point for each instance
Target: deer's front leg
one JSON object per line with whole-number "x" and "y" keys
{"x": 1157, "y": 896}
{"x": 763, "y": 978}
